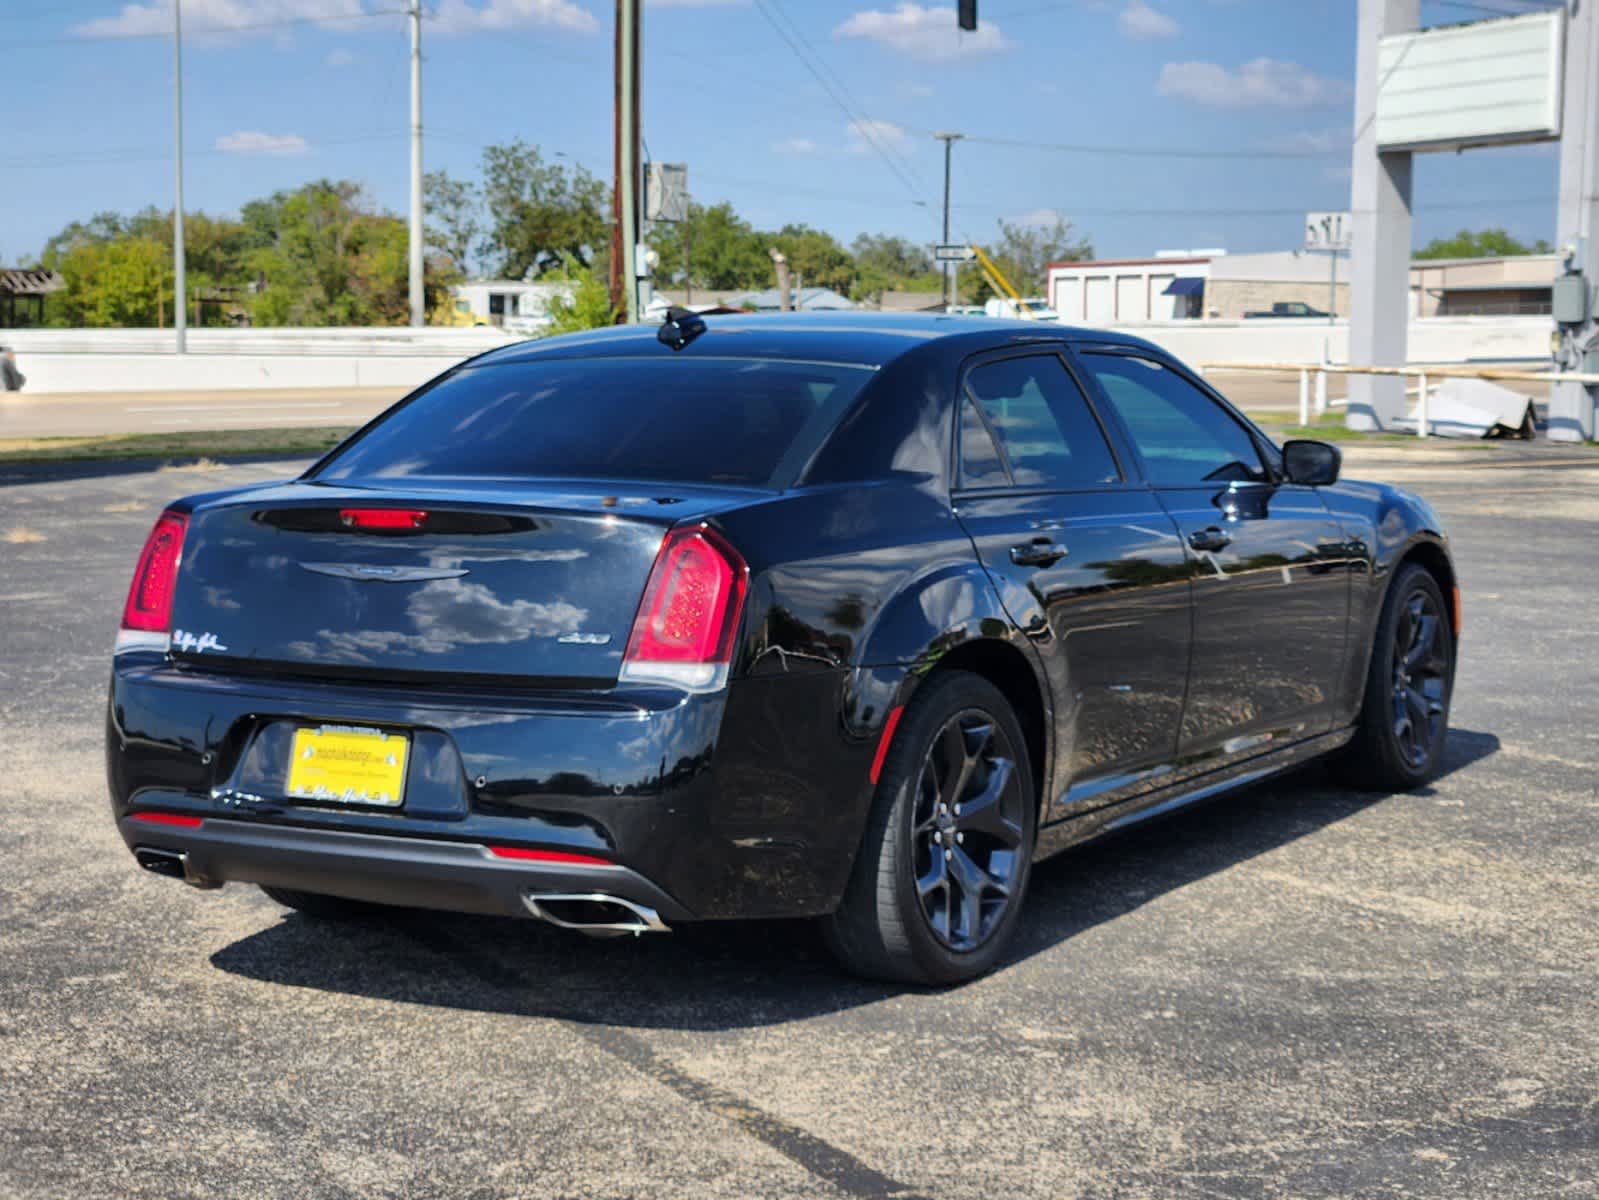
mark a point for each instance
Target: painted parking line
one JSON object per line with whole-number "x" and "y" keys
{"x": 151, "y": 408}
{"x": 221, "y": 421}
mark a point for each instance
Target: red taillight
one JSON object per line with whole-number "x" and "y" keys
{"x": 550, "y": 856}
{"x": 149, "y": 606}
{"x": 383, "y": 518}
{"x": 161, "y": 818}
{"x": 683, "y": 633}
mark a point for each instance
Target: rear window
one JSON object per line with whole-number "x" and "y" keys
{"x": 735, "y": 421}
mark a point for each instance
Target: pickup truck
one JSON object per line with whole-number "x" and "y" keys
{"x": 1287, "y": 308}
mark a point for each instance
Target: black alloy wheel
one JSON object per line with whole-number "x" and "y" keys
{"x": 1404, "y": 718}
{"x": 1420, "y": 677}
{"x": 967, "y": 831}
{"x": 942, "y": 870}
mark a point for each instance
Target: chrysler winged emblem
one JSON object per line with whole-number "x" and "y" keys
{"x": 382, "y": 572}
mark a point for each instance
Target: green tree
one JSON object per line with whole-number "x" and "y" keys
{"x": 539, "y": 212}
{"x": 884, "y": 262}
{"x": 1023, "y": 254}
{"x": 326, "y": 257}
{"x": 815, "y": 257}
{"x": 126, "y": 281}
{"x": 589, "y": 306}
{"x": 715, "y": 248}
{"x": 1481, "y": 243}
{"x": 454, "y": 214}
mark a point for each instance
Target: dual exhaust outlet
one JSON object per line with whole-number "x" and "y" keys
{"x": 594, "y": 913}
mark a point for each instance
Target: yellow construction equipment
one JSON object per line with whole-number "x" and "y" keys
{"x": 997, "y": 281}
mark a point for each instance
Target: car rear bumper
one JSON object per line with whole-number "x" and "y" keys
{"x": 406, "y": 871}
{"x": 744, "y": 803}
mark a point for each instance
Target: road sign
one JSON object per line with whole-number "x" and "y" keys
{"x": 1327, "y": 231}
{"x": 953, "y": 253}
{"x": 666, "y": 192}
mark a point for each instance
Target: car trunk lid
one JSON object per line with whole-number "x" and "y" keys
{"x": 475, "y": 579}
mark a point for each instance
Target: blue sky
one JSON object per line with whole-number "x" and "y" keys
{"x": 301, "y": 92}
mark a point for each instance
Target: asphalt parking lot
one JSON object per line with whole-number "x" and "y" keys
{"x": 1297, "y": 992}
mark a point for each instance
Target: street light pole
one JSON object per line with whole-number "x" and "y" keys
{"x": 180, "y": 317}
{"x": 949, "y": 140}
{"x": 418, "y": 301}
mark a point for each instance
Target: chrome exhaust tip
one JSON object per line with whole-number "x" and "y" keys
{"x": 174, "y": 864}
{"x": 594, "y": 913}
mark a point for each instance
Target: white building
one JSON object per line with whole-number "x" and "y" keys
{"x": 1121, "y": 291}
{"x": 514, "y": 304}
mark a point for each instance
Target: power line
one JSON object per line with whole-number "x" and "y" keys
{"x": 84, "y": 39}
{"x": 842, "y": 86}
{"x": 1119, "y": 151}
{"x": 135, "y": 154}
{"x": 860, "y": 125}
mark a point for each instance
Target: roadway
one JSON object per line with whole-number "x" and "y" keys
{"x": 86, "y": 414}
{"x": 1298, "y": 991}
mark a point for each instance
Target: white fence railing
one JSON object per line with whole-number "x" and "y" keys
{"x": 1422, "y": 372}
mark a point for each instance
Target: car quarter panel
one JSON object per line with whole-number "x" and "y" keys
{"x": 1381, "y": 525}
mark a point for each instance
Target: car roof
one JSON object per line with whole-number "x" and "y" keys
{"x": 862, "y": 339}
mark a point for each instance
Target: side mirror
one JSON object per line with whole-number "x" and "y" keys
{"x": 1314, "y": 464}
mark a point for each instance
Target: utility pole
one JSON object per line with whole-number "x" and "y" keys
{"x": 780, "y": 261}
{"x": 180, "y": 283}
{"x": 418, "y": 298}
{"x": 949, "y": 140}
{"x": 625, "y": 192}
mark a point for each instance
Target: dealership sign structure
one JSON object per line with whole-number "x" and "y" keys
{"x": 1513, "y": 80}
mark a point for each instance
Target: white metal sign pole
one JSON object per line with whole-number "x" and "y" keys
{"x": 1571, "y": 405}
{"x": 1379, "y": 266}
{"x": 414, "y": 245}
{"x": 180, "y": 286}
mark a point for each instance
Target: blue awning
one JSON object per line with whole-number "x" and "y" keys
{"x": 1188, "y": 285}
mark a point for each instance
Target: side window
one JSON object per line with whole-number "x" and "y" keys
{"x": 980, "y": 461}
{"x": 1183, "y": 435}
{"x": 1049, "y": 435}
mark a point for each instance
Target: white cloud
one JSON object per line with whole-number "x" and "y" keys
{"x": 1140, "y": 21}
{"x": 203, "y": 16}
{"x": 339, "y": 58}
{"x": 249, "y": 141}
{"x": 869, "y": 133}
{"x": 464, "y": 16}
{"x": 1042, "y": 218}
{"x": 795, "y": 145}
{"x": 929, "y": 34}
{"x": 698, "y": 3}
{"x": 1260, "y": 83}
{"x": 1313, "y": 141}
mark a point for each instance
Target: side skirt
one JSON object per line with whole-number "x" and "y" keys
{"x": 1061, "y": 835}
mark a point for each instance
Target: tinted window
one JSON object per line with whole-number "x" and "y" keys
{"x": 700, "y": 421}
{"x": 980, "y": 463}
{"x": 1183, "y": 435}
{"x": 1043, "y": 422}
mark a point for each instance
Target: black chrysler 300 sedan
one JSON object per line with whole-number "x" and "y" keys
{"x": 854, "y": 618}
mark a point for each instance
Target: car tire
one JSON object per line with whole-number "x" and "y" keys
{"x": 1404, "y": 717}
{"x": 941, "y": 874}
{"x": 323, "y": 907}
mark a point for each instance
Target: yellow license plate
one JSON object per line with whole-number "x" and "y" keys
{"x": 348, "y": 766}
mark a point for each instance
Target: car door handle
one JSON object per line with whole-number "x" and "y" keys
{"x": 1210, "y": 539}
{"x": 1040, "y": 552}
